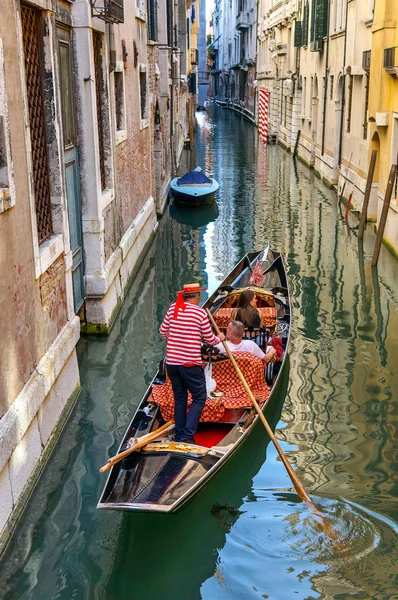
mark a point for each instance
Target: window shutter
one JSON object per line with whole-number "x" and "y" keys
{"x": 321, "y": 17}
{"x": 304, "y": 25}
{"x": 319, "y": 24}
{"x": 298, "y": 34}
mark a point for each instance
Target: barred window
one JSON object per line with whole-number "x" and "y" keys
{"x": 7, "y": 192}
{"x": 119, "y": 100}
{"x": 143, "y": 93}
{"x": 350, "y": 88}
{"x": 152, "y": 20}
{"x": 34, "y": 88}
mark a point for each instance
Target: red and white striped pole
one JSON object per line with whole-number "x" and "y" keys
{"x": 263, "y": 110}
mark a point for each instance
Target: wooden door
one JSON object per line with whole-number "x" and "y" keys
{"x": 71, "y": 162}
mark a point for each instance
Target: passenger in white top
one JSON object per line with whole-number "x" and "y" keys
{"x": 235, "y": 331}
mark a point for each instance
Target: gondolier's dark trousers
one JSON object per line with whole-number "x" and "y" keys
{"x": 184, "y": 379}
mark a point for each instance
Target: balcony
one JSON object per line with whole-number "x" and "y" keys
{"x": 316, "y": 45}
{"x": 194, "y": 56}
{"x": 281, "y": 49}
{"x": 110, "y": 11}
{"x": 391, "y": 61}
{"x": 366, "y": 60}
{"x": 242, "y": 21}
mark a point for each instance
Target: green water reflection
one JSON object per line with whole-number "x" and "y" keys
{"x": 246, "y": 536}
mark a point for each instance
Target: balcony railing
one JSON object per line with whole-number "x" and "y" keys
{"x": 242, "y": 21}
{"x": 111, "y": 11}
{"x": 194, "y": 56}
{"x": 366, "y": 60}
{"x": 316, "y": 45}
{"x": 391, "y": 61}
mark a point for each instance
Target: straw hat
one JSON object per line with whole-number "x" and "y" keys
{"x": 189, "y": 288}
{"x": 192, "y": 287}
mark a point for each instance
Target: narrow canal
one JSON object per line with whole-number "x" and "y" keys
{"x": 246, "y": 536}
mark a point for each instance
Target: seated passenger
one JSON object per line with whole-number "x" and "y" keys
{"x": 235, "y": 331}
{"x": 247, "y": 311}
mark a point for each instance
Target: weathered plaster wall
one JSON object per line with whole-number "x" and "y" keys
{"x": 28, "y": 327}
{"x": 39, "y": 374}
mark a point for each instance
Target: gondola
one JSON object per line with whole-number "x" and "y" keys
{"x": 193, "y": 188}
{"x": 164, "y": 475}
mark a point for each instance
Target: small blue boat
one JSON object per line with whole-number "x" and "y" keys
{"x": 194, "y": 188}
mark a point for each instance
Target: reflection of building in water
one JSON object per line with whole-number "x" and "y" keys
{"x": 180, "y": 258}
{"x": 233, "y": 168}
{"x": 341, "y": 391}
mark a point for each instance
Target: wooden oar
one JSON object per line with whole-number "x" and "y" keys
{"x": 298, "y": 486}
{"x": 295, "y": 480}
{"x": 143, "y": 441}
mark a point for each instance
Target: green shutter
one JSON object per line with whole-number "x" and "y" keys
{"x": 319, "y": 24}
{"x": 313, "y": 19}
{"x": 304, "y": 25}
{"x": 297, "y": 34}
{"x": 321, "y": 19}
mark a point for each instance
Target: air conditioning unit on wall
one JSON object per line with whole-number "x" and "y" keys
{"x": 316, "y": 45}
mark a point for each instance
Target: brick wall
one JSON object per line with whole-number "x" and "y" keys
{"x": 53, "y": 297}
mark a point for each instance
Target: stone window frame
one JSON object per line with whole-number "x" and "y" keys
{"x": 47, "y": 252}
{"x": 106, "y": 114}
{"x": 121, "y": 134}
{"x": 144, "y": 122}
{"x": 7, "y": 192}
{"x": 394, "y": 156}
{"x": 141, "y": 10}
{"x": 371, "y": 12}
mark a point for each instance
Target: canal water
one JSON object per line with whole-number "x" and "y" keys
{"x": 246, "y": 536}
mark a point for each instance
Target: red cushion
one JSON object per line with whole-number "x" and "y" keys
{"x": 224, "y": 315}
{"x": 228, "y": 382}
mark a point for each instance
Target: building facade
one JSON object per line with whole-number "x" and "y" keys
{"x": 39, "y": 378}
{"x": 234, "y": 55}
{"x": 96, "y": 104}
{"x": 314, "y": 57}
{"x": 383, "y": 110}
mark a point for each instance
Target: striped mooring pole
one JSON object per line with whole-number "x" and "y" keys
{"x": 263, "y": 108}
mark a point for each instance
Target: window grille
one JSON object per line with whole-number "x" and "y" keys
{"x": 365, "y": 112}
{"x": 119, "y": 100}
{"x": 97, "y": 43}
{"x": 331, "y": 86}
{"x": 143, "y": 94}
{"x": 30, "y": 33}
{"x": 152, "y": 9}
{"x": 110, "y": 11}
{"x": 366, "y": 57}
{"x": 350, "y": 87}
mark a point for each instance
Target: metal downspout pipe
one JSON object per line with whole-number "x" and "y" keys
{"x": 343, "y": 89}
{"x": 325, "y": 92}
{"x": 170, "y": 43}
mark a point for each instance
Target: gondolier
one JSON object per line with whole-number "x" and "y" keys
{"x": 184, "y": 328}
{"x": 151, "y": 472}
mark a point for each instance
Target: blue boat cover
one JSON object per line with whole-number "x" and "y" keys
{"x": 194, "y": 178}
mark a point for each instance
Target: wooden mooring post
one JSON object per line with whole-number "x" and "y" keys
{"x": 347, "y": 210}
{"x": 384, "y": 213}
{"x": 297, "y": 143}
{"x": 369, "y": 181}
{"x": 339, "y": 196}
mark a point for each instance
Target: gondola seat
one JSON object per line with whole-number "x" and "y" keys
{"x": 227, "y": 382}
{"x": 224, "y": 315}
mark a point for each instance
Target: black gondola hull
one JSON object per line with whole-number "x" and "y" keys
{"x": 163, "y": 480}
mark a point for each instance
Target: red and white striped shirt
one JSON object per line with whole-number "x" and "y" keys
{"x": 184, "y": 335}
